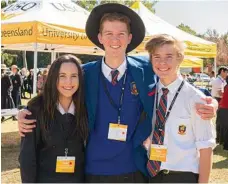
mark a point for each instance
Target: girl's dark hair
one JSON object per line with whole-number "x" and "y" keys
{"x": 50, "y": 97}
{"x": 227, "y": 80}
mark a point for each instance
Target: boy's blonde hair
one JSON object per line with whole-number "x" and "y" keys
{"x": 115, "y": 17}
{"x": 161, "y": 39}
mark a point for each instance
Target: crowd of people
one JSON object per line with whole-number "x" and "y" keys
{"x": 219, "y": 91}
{"x": 16, "y": 84}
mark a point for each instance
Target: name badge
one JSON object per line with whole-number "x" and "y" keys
{"x": 117, "y": 132}
{"x": 158, "y": 152}
{"x": 65, "y": 164}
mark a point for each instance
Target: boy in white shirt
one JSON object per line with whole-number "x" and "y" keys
{"x": 181, "y": 143}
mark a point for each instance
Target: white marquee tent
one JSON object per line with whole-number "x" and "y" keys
{"x": 47, "y": 26}
{"x": 195, "y": 46}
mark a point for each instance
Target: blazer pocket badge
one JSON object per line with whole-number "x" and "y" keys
{"x": 134, "y": 90}
{"x": 182, "y": 130}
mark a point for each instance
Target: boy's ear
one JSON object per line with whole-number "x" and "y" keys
{"x": 180, "y": 57}
{"x": 100, "y": 38}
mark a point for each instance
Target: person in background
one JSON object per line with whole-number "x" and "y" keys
{"x": 17, "y": 83}
{"x": 41, "y": 80}
{"x": 6, "y": 89}
{"x": 48, "y": 67}
{"x": 54, "y": 151}
{"x": 219, "y": 83}
{"x": 189, "y": 77}
{"x": 217, "y": 91}
{"x": 212, "y": 76}
{"x": 222, "y": 119}
{"x": 24, "y": 83}
{"x": 181, "y": 143}
{"x": 30, "y": 82}
{"x": 184, "y": 76}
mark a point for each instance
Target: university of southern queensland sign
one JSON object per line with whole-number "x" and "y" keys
{"x": 51, "y": 22}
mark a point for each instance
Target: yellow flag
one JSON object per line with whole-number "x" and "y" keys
{"x": 135, "y": 5}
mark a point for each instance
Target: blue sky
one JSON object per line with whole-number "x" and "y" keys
{"x": 199, "y": 15}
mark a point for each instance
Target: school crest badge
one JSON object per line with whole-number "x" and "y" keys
{"x": 134, "y": 90}
{"x": 182, "y": 130}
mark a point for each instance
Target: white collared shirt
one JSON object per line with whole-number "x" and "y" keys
{"x": 71, "y": 109}
{"x": 106, "y": 70}
{"x": 218, "y": 84}
{"x": 183, "y": 149}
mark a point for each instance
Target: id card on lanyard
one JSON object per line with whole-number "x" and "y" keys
{"x": 117, "y": 130}
{"x": 65, "y": 164}
{"x": 158, "y": 152}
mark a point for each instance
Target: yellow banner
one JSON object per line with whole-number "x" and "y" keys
{"x": 192, "y": 49}
{"x": 201, "y": 50}
{"x": 186, "y": 63}
{"x": 18, "y": 33}
{"x": 43, "y": 33}
{"x": 53, "y": 34}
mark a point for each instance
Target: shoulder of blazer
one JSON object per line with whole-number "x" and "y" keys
{"x": 144, "y": 63}
{"x": 140, "y": 61}
{"x": 88, "y": 66}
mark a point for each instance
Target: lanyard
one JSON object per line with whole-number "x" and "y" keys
{"x": 118, "y": 108}
{"x": 173, "y": 101}
{"x": 65, "y": 134}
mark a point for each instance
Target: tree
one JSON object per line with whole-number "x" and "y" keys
{"x": 43, "y": 59}
{"x": 225, "y": 38}
{"x": 222, "y": 45}
{"x": 4, "y": 4}
{"x": 89, "y": 5}
{"x": 9, "y": 58}
{"x": 187, "y": 29}
{"x": 212, "y": 35}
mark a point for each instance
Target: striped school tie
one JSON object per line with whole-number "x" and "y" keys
{"x": 152, "y": 165}
{"x": 114, "y": 74}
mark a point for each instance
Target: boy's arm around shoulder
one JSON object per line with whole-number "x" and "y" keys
{"x": 28, "y": 150}
{"x": 87, "y": 66}
{"x": 204, "y": 130}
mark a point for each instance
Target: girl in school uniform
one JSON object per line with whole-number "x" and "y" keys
{"x": 54, "y": 151}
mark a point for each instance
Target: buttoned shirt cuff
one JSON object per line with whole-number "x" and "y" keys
{"x": 206, "y": 144}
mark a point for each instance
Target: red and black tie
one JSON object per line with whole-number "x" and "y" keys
{"x": 114, "y": 74}
{"x": 159, "y": 132}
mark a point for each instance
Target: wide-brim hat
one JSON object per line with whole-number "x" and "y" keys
{"x": 137, "y": 27}
{"x": 3, "y": 67}
{"x": 14, "y": 67}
